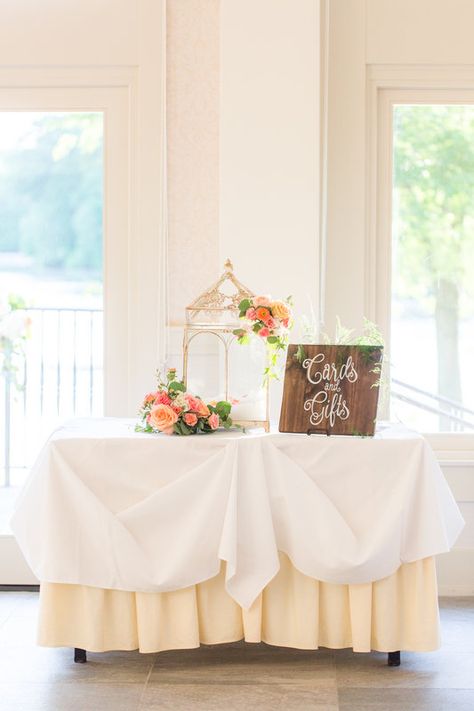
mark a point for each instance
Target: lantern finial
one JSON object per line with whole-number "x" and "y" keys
{"x": 228, "y": 266}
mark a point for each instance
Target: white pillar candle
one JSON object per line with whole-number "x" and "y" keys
{"x": 249, "y": 407}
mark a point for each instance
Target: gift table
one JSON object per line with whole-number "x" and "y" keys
{"x": 155, "y": 542}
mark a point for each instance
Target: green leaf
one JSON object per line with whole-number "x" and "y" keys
{"x": 244, "y": 305}
{"x": 182, "y": 428}
{"x": 272, "y": 339}
{"x": 300, "y": 354}
{"x": 177, "y": 385}
{"x": 223, "y": 408}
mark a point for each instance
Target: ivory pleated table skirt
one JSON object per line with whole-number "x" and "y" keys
{"x": 399, "y": 612}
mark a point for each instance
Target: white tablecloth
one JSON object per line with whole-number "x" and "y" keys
{"x": 110, "y": 508}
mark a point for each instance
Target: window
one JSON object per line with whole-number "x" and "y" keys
{"x": 51, "y": 245}
{"x": 432, "y": 300}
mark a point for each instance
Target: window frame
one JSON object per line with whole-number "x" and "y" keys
{"x": 387, "y": 87}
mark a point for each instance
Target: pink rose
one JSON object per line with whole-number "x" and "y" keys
{"x": 285, "y": 322}
{"x": 251, "y": 314}
{"x": 270, "y": 323}
{"x": 214, "y": 421}
{"x": 193, "y": 402}
{"x": 264, "y": 332}
{"x": 262, "y": 301}
{"x": 176, "y": 408}
{"x": 161, "y": 398}
{"x": 162, "y": 418}
{"x": 190, "y": 418}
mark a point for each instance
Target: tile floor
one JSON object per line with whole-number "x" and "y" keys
{"x": 233, "y": 677}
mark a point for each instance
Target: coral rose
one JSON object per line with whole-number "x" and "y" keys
{"x": 193, "y": 402}
{"x": 214, "y": 421}
{"x": 190, "y": 418}
{"x": 149, "y": 398}
{"x": 162, "y": 418}
{"x": 161, "y": 398}
{"x": 280, "y": 309}
{"x": 262, "y": 300}
{"x": 262, "y": 313}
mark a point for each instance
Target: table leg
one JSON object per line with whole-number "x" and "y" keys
{"x": 80, "y": 655}
{"x": 393, "y": 659}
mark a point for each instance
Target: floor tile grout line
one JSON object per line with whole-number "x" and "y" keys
{"x": 152, "y": 666}
{"x": 338, "y": 700}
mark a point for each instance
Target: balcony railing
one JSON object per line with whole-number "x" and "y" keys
{"x": 454, "y": 415}
{"x": 60, "y": 377}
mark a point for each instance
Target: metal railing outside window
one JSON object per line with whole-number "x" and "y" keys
{"x": 60, "y": 376}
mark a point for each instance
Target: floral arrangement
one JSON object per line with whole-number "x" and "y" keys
{"x": 171, "y": 409}
{"x": 14, "y": 330}
{"x": 271, "y": 321}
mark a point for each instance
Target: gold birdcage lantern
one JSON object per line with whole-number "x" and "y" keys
{"x": 215, "y": 313}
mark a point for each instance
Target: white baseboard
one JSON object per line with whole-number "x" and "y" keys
{"x": 14, "y": 569}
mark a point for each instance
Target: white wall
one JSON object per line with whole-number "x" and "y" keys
{"x": 248, "y": 155}
{"x": 427, "y": 40}
{"x": 269, "y": 145}
{"x": 74, "y": 33}
{"x": 107, "y": 47}
{"x": 428, "y": 32}
{"x": 269, "y": 150}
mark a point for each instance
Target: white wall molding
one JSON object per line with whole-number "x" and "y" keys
{"x": 68, "y": 76}
{"x": 416, "y": 76}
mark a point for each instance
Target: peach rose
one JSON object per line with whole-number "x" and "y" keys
{"x": 190, "y": 418}
{"x": 262, "y": 313}
{"x": 149, "y": 398}
{"x": 162, "y": 418}
{"x": 203, "y": 409}
{"x": 280, "y": 309}
{"x": 214, "y": 421}
{"x": 262, "y": 300}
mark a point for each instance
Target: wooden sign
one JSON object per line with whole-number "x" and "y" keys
{"x": 331, "y": 389}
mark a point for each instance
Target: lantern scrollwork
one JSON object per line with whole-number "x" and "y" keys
{"x": 216, "y": 312}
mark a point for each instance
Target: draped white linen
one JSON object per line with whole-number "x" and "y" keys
{"x": 111, "y": 508}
